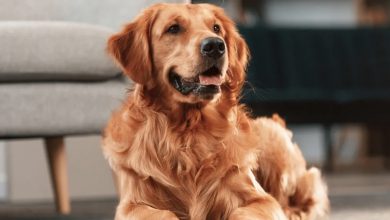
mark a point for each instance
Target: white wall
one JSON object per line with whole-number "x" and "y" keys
{"x": 310, "y": 139}
{"x": 311, "y": 12}
{"x": 89, "y": 174}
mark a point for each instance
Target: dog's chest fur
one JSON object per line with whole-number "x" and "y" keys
{"x": 185, "y": 168}
{"x": 196, "y": 177}
{"x": 191, "y": 163}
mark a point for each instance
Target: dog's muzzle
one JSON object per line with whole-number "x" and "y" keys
{"x": 205, "y": 84}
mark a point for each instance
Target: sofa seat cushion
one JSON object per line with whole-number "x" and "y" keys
{"x": 57, "y": 108}
{"x": 48, "y": 50}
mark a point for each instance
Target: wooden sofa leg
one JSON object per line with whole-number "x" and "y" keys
{"x": 56, "y": 156}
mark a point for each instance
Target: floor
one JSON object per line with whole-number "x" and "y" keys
{"x": 358, "y": 197}
{"x": 353, "y": 197}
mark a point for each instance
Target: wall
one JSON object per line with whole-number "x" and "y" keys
{"x": 89, "y": 174}
{"x": 311, "y": 12}
{"x": 301, "y": 12}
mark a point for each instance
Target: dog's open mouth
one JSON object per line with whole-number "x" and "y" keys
{"x": 205, "y": 84}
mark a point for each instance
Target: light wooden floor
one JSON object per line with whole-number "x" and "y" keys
{"x": 360, "y": 197}
{"x": 353, "y": 197}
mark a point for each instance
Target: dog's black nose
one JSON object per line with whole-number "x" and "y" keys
{"x": 212, "y": 47}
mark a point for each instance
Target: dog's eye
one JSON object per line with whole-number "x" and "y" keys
{"x": 174, "y": 29}
{"x": 217, "y": 28}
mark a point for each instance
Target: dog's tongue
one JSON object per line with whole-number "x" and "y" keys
{"x": 210, "y": 80}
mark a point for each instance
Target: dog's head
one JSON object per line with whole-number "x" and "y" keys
{"x": 191, "y": 53}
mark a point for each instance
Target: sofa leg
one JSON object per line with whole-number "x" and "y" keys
{"x": 56, "y": 156}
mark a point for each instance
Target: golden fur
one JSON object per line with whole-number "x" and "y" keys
{"x": 185, "y": 157}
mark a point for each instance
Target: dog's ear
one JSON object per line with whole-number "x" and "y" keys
{"x": 131, "y": 47}
{"x": 238, "y": 59}
{"x": 238, "y": 53}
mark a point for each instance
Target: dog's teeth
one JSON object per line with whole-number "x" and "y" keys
{"x": 210, "y": 80}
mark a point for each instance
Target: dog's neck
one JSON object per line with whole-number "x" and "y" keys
{"x": 185, "y": 115}
{"x": 200, "y": 131}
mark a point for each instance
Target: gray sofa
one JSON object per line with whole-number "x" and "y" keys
{"x": 55, "y": 77}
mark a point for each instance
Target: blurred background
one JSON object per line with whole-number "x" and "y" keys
{"x": 323, "y": 65}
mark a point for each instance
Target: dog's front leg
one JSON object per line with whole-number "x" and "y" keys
{"x": 262, "y": 209}
{"x": 142, "y": 212}
{"x": 255, "y": 203}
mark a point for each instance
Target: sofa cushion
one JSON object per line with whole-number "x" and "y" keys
{"x": 57, "y": 108}
{"x": 47, "y": 50}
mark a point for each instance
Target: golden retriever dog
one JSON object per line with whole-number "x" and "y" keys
{"x": 182, "y": 145}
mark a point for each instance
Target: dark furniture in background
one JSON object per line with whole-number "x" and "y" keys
{"x": 324, "y": 76}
